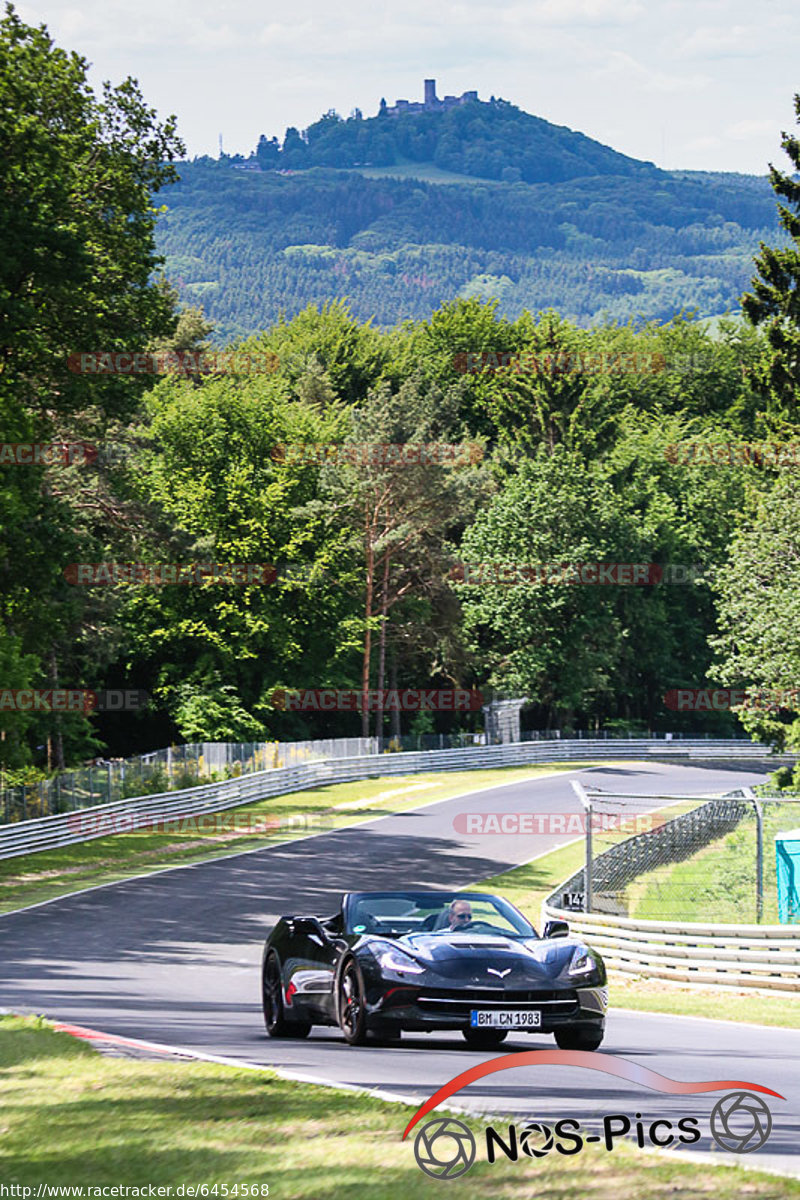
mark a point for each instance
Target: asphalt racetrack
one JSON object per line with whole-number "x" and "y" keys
{"x": 175, "y": 958}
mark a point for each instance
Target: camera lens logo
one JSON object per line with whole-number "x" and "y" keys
{"x": 444, "y": 1149}
{"x": 536, "y": 1139}
{"x": 741, "y": 1122}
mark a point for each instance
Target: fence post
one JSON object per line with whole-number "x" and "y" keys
{"x": 759, "y": 810}
{"x": 580, "y": 792}
{"x": 759, "y": 861}
{"x": 589, "y": 881}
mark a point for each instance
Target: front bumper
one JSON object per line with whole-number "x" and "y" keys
{"x": 420, "y": 1008}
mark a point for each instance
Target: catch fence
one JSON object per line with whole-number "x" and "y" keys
{"x": 56, "y": 829}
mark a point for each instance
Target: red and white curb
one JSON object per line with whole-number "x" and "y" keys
{"x": 98, "y": 1035}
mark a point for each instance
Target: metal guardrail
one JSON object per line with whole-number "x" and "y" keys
{"x": 173, "y": 768}
{"x": 742, "y": 956}
{"x": 62, "y": 829}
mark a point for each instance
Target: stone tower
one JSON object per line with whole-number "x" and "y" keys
{"x": 430, "y": 93}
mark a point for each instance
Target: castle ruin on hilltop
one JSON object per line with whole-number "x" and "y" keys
{"x": 431, "y": 103}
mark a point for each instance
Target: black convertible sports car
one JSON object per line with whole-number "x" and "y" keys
{"x": 425, "y": 960}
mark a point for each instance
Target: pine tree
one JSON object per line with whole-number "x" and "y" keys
{"x": 775, "y": 299}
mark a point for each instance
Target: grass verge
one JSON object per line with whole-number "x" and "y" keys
{"x": 71, "y": 1116}
{"x": 719, "y": 1004}
{"x": 32, "y": 878}
{"x": 718, "y": 883}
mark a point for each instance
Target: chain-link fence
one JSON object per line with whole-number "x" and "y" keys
{"x": 688, "y": 859}
{"x": 173, "y": 768}
{"x": 107, "y": 780}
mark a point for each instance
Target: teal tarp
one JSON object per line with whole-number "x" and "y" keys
{"x": 787, "y": 862}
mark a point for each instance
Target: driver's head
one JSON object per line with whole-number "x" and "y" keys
{"x": 460, "y": 914}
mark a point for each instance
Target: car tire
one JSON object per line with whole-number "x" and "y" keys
{"x": 579, "y": 1039}
{"x": 484, "y": 1039}
{"x": 272, "y": 1000}
{"x": 350, "y": 1005}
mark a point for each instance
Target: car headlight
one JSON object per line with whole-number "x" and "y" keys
{"x": 392, "y": 959}
{"x": 583, "y": 963}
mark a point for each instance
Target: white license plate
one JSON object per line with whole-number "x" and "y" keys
{"x": 505, "y": 1018}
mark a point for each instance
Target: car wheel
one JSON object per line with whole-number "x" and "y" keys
{"x": 579, "y": 1039}
{"x": 351, "y": 1008}
{"x": 484, "y": 1039}
{"x": 274, "y": 1013}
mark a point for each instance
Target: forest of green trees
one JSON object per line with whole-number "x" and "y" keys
{"x": 251, "y": 247}
{"x": 493, "y": 203}
{"x": 585, "y": 439}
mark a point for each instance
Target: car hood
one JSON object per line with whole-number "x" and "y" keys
{"x": 463, "y": 952}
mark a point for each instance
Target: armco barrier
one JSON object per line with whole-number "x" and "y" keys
{"x": 741, "y": 956}
{"x": 62, "y": 829}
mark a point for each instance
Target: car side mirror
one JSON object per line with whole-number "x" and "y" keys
{"x": 556, "y": 929}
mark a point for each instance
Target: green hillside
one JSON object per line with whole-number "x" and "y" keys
{"x": 250, "y": 244}
{"x": 489, "y": 140}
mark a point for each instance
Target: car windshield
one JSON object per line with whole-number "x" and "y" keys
{"x": 398, "y": 913}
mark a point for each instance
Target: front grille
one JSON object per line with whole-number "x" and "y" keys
{"x": 458, "y": 1002}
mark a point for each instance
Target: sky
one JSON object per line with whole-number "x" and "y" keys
{"x": 693, "y": 84}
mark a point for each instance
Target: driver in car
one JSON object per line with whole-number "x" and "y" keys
{"x": 460, "y": 914}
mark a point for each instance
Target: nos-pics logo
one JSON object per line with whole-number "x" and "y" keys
{"x": 446, "y": 1148}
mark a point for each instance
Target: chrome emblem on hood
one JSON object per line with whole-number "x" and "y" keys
{"x": 500, "y": 974}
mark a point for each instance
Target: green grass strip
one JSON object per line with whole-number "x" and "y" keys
{"x": 71, "y": 1116}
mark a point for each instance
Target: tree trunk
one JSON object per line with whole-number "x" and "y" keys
{"x": 59, "y": 736}
{"x": 395, "y": 712}
{"x": 365, "y": 668}
{"x": 382, "y": 648}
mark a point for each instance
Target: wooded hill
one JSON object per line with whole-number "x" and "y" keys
{"x": 490, "y": 140}
{"x": 250, "y": 245}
